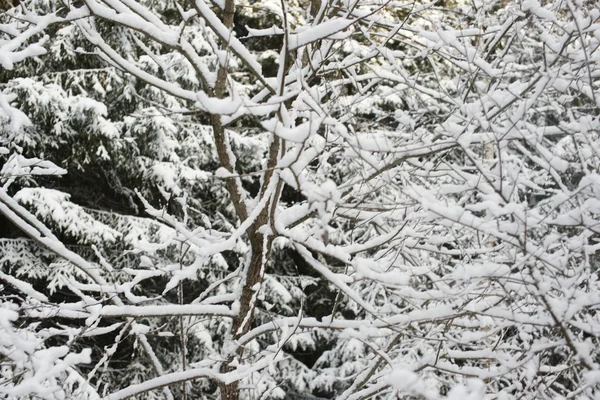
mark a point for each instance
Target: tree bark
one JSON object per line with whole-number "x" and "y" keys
{"x": 6, "y": 5}
{"x": 260, "y": 244}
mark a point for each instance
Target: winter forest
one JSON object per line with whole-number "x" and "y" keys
{"x": 299, "y": 199}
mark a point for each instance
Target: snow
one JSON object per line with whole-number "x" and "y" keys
{"x": 53, "y": 205}
{"x": 165, "y": 310}
{"x": 297, "y": 134}
{"x": 9, "y": 55}
{"x": 17, "y": 165}
{"x": 228, "y": 36}
{"x": 561, "y": 84}
{"x": 535, "y": 7}
{"x": 329, "y": 29}
{"x": 24, "y": 287}
{"x": 17, "y": 118}
{"x": 274, "y": 30}
{"x": 402, "y": 379}
{"x": 421, "y": 195}
{"x": 219, "y": 106}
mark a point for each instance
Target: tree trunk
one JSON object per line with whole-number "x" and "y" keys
{"x": 259, "y": 244}
{"x": 261, "y": 247}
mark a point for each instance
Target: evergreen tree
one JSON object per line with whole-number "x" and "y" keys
{"x": 286, "y": 200}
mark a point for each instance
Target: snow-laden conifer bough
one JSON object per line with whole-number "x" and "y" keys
{"x": 329, "y": 199}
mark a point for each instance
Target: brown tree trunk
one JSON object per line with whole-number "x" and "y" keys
{"x": 259, "y": 244}
{"x": 6, "y": 5}
{"x": 246, "y": 314}
{"x": 261, "y": 248}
